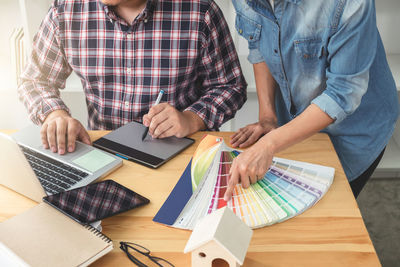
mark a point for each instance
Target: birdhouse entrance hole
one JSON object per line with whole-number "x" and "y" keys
{"x": 202, "y": 255}
{"x": 219, "y": 263}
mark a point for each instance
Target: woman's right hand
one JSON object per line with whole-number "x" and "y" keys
{"x": 248, "y": 135}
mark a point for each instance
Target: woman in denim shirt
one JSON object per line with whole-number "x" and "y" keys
{"x": 319, "y": 65}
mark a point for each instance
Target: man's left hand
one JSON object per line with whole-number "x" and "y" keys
{"x": 164, "y": 121}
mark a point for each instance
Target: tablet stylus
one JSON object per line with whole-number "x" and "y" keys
{"x": 160, "y": 94}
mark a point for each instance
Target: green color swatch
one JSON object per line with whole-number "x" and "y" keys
{"x": 93, "y": 160}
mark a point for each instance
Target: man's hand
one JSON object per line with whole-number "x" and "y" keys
{"x": 248, "y": 135}
{"x": 249, "y": 167}
{"x": 164, "y": 121}
{"x": 59, "y": 127}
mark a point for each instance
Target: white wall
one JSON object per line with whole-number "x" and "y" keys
{"x": 9, "y": 19}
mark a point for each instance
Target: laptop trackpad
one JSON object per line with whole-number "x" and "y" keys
{"x": 93, "y": 160}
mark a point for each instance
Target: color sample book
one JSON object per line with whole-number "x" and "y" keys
{"x": 287, "y": 189}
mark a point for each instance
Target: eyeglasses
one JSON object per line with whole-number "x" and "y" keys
{"x": 125, "y": 246}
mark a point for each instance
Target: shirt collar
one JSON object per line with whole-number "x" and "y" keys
{"x": 294, "y": 1}
{"x": 147, "y": 13}
{"x": 264, "y": 2}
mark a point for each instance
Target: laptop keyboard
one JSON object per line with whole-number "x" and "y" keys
{"x": 54, "y": 175}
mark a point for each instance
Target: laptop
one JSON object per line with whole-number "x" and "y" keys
{"x": 29, "y": 169}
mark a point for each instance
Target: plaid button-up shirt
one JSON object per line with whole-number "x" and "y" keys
{"x": 181, "y": 46}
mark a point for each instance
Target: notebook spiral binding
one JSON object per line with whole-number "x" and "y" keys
{"x": 98, "y": 233}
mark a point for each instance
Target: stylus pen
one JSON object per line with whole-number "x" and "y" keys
{"x": 160, "y": 94}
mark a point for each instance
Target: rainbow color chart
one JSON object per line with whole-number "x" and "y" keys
{"x": 288, "y": 189}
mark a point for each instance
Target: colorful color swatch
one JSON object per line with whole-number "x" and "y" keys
{"x": 287, "y": 189}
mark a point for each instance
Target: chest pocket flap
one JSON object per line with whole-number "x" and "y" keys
{"x": 249, "y": 29}
{"x": 309, "y": 48}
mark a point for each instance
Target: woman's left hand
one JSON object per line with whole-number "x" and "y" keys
{"x": 248, "y": 135}
{"x": 250, "y": 166}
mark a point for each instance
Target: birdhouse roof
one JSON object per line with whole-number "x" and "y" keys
{"x": 225, "y": 228}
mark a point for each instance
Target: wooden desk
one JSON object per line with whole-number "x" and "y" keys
{"x": 332, "y": 233}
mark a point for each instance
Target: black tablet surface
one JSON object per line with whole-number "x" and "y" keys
{"x": 127, "y": 143}
{"x": 96, "y": 201}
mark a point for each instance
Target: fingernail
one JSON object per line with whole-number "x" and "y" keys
{"x": 61, "y": 151}
{"x": 70, "y": 149}
{"x": 53, "y": 149}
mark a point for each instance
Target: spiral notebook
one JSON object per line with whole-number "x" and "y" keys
{"x": 42, "y": 236}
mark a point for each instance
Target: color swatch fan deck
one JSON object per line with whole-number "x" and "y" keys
{"x": 288, "y": 189}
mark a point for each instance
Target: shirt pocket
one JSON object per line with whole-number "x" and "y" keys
{"x": 249, "y": 29}
{"x": 310, "y": 50}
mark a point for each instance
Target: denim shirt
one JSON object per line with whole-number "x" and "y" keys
{"x": 329, "y": 53}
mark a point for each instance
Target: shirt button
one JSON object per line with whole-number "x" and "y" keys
{"x": 276, "y": 51}
{"x": 240, "y": 31}
{"x": 145, "y": 20}
{"x": 129, "y": 35}
{"x": 127, "y": 104}
{"x": 129, "y": 70}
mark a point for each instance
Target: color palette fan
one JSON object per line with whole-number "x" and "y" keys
{"x": 288, "y": 189}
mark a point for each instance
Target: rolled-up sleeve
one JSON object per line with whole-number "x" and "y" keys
{"x": 255, "y": 56}
{"x": 45, "y": 73}
{"x": 351, "y": 52}
{"x": 223, "y": 88}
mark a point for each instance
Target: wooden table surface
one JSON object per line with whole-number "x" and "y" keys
{"x": 332, "y": 233}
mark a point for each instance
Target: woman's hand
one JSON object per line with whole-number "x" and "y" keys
{"x": 248, "y": 135}
{"x": 250, "y": 166}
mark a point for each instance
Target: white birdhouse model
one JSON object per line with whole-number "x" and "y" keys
{"x": 220, "y": 235}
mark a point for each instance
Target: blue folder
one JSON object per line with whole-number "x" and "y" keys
{"x": 177, "y": 200}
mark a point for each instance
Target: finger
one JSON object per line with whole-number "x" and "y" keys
{"x": 156, "y": 110}
{"x": 236, "y": 137}
{"x": 51, "y": 136}
{"x": 43, "y": 135}
{"x": 156, "y": 122}
{"x": 244, "y": 176}
{"x": 61, "y": 135}
{"x": 260, "y": 175}
{"x": 246, "y": 130}
{"x": 242, "y": 135}
{"x": 251, "y": 140}
{"x": 237, "y": 133}
{"x": 245, "y": 180}
{"x": 84, "y": 136}
{"x": 235, "y": 142}
{"x": 253, "y": 179}
{"x": 233, "y": 180}
{"x": 167, "y": 129}
{"x": 72, "y": 134}
{"x": 242, "y": 139}
{"x": 146, "y": 120}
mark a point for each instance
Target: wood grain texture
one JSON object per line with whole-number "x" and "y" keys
{"x": 332, "y": 233}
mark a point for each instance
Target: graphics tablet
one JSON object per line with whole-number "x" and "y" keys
{"x": 126, "y": 142}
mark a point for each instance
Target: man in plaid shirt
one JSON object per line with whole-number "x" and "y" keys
{"x": 125, "y": 52}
